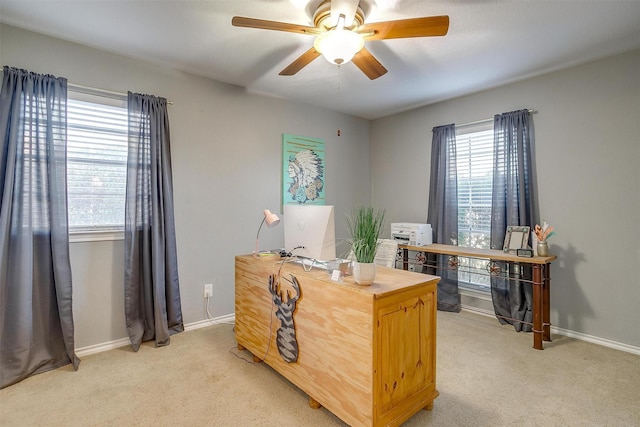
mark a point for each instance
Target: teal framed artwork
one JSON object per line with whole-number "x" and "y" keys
{"x": 302, "y": 170}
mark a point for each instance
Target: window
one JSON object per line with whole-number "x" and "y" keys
{"x": 96, "y": 162}
{"x": 474, "y": 149}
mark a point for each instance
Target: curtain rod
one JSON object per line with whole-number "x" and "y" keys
{"x": 96, "y": 91}
{"x": 477, "y": 122}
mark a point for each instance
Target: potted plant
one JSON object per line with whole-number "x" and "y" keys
{"x": 365, "y": 225}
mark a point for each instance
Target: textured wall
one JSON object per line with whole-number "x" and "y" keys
{"x": 587, "y": 152}
{"x": 226, "y": 153}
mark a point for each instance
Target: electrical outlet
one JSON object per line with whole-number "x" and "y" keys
{"x": 208, "y": 290}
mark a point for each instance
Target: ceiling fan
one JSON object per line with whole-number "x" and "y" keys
{"x": 340, "y": 33}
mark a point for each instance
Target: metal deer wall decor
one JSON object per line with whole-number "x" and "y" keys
{"x": 286, "y": 335}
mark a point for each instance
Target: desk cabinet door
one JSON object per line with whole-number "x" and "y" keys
{"x": 406, "y": 339}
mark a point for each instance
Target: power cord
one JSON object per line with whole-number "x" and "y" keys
{"x": 210, "y": 316}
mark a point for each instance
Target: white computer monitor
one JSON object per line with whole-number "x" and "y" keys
{"x": 309, "y": 231}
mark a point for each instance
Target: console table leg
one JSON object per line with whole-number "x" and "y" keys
{"x": 241, "y": 347}
{"x": 538, "y": 285}
{"x": 405, "y": 259}
{"x": 546, "y": 306}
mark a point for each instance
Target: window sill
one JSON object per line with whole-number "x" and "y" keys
{"x": 95, "y": 236}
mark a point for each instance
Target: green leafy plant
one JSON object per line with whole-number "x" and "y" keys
{"x": 365, "y": 226}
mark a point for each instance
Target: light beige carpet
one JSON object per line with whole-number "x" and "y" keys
{"x": 487, "y": 375}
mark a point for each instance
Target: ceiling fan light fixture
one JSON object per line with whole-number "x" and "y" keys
{"x": 339, "y": 46}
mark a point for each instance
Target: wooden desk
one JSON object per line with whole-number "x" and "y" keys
{"x": 366, "y": 353}
{"x": 541, "y": 279}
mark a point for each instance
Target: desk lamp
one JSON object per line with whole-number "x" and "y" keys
{"x": 271, "y": 220}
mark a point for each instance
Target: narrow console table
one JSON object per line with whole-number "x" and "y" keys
{"x": 366, "y": 353}
{"x": 541, "y": 282}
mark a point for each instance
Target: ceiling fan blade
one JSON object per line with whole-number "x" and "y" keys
{"x": 368, "y": 64}
{"x": 241, "y": 21}
{"x": 302, "y": 61}
{"x": 414, "y": 27}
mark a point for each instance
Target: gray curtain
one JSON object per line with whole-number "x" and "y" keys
{"x": 36, "y": 318}
{"x": 152, "y": 288}
{"x": 512, "y": 204}
{"x": 443, "y": 212}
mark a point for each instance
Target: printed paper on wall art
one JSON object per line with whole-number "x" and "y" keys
{"x": 302, "y": 170}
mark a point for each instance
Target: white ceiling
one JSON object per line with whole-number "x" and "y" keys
{"x": 489, "y": 43}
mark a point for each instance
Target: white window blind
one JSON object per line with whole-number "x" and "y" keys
{"x": 474, "y": 149}
{"x": 475, "y": 174}
{"x": 96, "y": 162}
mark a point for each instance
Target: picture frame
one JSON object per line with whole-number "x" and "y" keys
{"x": 516, "y": 237}
{"x": 303, "y": 166}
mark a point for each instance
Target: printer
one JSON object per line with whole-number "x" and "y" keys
{"x": 411, "y": 233}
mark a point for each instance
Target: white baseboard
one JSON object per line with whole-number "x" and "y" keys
{"x": 99, "y": 348}
{"x": 596, "y": 340}
{"x": 572, "y": 334}
{"x": 230, "y": 318}
{"x": 477, "y": 310}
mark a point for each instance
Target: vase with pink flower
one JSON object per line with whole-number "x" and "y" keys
{"x": 542, "y": 234}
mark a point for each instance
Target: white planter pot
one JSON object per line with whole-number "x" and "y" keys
{"x": 364, "y": 273}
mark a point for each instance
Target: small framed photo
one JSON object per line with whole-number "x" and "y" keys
{"x": 516, "y": 238}
{"x": 525, "y": 252}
